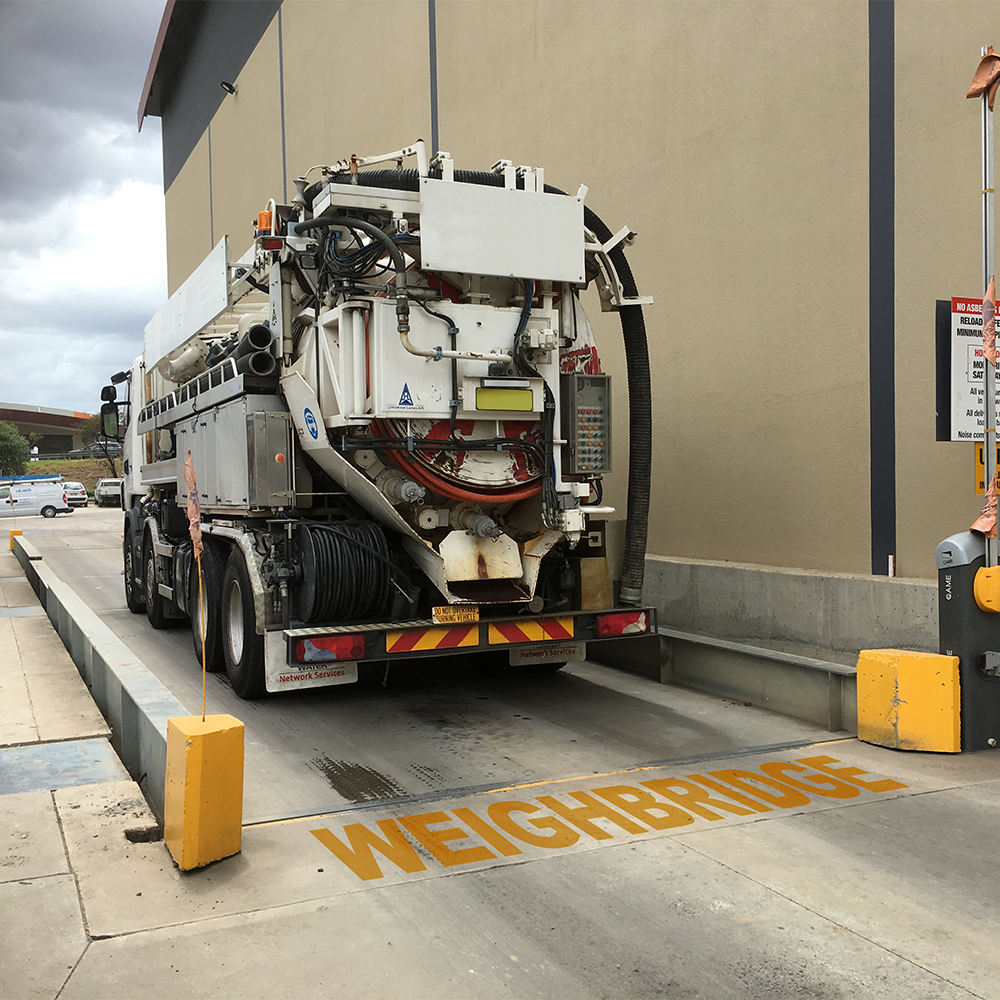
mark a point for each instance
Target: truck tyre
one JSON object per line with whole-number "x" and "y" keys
{"x": 211, "y": 588}
{"x": 155, "y": 604}
{"x": 134, "y": 599}
{"x": 48, "y": 512}
{"x": 242, "y": 647}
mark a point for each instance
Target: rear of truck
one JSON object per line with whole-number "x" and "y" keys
{"x": 391, "y": 416}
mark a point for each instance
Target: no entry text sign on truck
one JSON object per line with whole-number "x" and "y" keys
{"x": 968, "y": 368}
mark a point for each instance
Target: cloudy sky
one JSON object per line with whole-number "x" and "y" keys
{"x": 82, "y": 249}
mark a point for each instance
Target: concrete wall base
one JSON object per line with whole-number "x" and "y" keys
{"x": 835, "y": 611}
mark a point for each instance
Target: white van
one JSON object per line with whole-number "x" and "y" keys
{"x": 47, "y": 499}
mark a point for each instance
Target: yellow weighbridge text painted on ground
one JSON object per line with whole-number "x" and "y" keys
{"x": 510, "y": 827}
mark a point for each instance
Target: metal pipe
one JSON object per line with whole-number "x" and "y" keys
{"x": 990, "y": 409}
{"x": 360, "y": 361}
{"x": 346, "y": 398}
{"x": 439, "y": 353}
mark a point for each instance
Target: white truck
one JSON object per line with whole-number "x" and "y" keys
{"x": 108, "y": 492}
{"x": 398, "y": 422}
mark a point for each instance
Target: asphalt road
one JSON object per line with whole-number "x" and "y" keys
{"x": 886, "y": 891}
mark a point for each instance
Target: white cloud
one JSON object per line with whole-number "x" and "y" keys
{"x": 82, "y": 244}
{"x": 74, "y": 306}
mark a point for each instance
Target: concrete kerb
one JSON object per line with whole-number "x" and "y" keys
{"x": 134, "y": 703}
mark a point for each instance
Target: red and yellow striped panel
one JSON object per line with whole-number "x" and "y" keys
{"x": 531, "y": 631}
{"x": 432, "y": 638}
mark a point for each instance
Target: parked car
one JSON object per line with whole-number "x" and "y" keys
{"x": 47, "y": 499}
{"x": 108, "y": 493}
{"x": 76, "y": 494}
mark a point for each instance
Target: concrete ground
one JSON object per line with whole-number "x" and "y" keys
{"x": 876, "y": 880}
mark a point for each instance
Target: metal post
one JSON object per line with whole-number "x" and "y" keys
{"x": 432, "y": 40}
{"x": 989, "y": 414}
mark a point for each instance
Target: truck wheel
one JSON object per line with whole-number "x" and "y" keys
{"x": 242, "y": 647}
{"x": 207, "y": 610}
{"x": 48, "y": 512}
{"x": 155, "y": 604}
{"x": 133, "y": 593}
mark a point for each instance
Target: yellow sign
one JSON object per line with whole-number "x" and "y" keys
{"x": 504, "y": 399}
{"x": 981, "y": 467}
{"x": 452, "y": 613}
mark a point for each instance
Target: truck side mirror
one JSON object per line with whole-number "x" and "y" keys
{"x": 109, "y": 420}
{"x": 109, "y": 392}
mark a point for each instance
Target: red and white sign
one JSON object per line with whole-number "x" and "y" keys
{"x": 968, "y": 370}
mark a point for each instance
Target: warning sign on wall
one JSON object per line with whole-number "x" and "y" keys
{"x": 968, "y": 370}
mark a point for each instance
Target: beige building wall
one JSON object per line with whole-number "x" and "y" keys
{"x": 338, "y": 101}
{"x": 246, "y": 146}
{"x": 357, "y": 79}
{"x": 733, "y": 137}
{"x": 938, "y": 255}
{"x": 710, "y": 129}
{"x": 189, "y": 229}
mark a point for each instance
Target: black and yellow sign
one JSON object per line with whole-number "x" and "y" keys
{"x": 451, "y": 613}
{"x": 981, "y": 467}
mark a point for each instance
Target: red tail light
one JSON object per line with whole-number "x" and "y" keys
{"x": 622, "y": 623}
{"x": 327, "y": 648}
{"x": 271, "y": 244}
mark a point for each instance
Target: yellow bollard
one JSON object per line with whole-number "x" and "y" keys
{"x": 13, "y": 532}
{"x": 203, "y": 803}
{"x": 909, "y": 701}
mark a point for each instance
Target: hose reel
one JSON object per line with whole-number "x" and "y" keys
{"x": 344, "y": 570}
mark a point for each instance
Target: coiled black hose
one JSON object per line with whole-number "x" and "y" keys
{"x": 346, "y": 571}
{"x": 636, "y": 360}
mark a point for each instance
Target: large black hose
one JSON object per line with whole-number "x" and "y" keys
{"x": 640, "y": 420}
{"x": 636, "y": 360}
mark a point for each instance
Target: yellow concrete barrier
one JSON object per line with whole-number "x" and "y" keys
{"x": 203, "y": 802}
{"x": 909, "y": 700}
{"x": 13, "y": 532}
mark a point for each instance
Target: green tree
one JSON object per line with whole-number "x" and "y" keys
{"x": 89, "y": 430}
{"x": 14, "y": 450}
